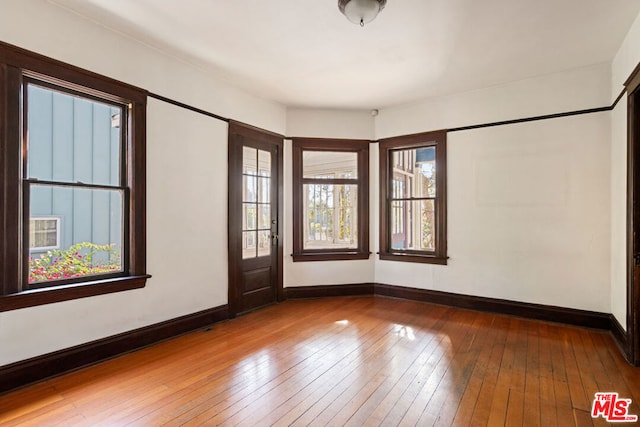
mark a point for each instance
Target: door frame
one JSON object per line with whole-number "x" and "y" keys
{"x": 632, "y": 86}
{"x": 237, "y": 133}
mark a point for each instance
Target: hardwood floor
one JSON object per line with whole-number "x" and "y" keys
{"x": 356, "y": 361}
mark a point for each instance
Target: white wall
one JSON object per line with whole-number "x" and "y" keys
{"x": 349, "y": 124}
{"x": 526, "y": 220}
{"x": 325, "y": 124}
{"x": 187, "y": 183}
{"x": 42, "y": 27}
{"x": 626, "y": 59}
{"x": 623, "y": 64}
{"x": 572, "y": 90}
{"x": 186, "y": 248}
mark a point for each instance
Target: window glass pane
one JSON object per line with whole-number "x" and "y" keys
{"x": 414, "y": 173}
{"x": 264, "y": 190}
{"x": 412, "y": 225}
{"x": 249, "y": 160}
{"x": 249, "y": 216}
{"x": 90, "y": 232}
{"x": 264, "y": 217}
{"x": 264, "y": 163}
{"x": 72, "y": 139}
{"x": 329, "y": 164}
{"x": 401, "y": 185}
{"x": 249, "y": 188}
{"x": 330, "y": 216}
{"x": 425, "y": 184}
{"x": 264, "y": 243}
{"x": 249, "y": 244}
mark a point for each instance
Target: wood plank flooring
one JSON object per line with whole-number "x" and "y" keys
{"x": 358, "y": 361}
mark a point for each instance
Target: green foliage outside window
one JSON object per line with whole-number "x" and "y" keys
{"x": 79, "y": 260}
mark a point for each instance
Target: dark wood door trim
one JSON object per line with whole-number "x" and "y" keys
{"x": 633, "y": 217}
{"x": 633, "y": 228}
{"x": 240, "y": 133}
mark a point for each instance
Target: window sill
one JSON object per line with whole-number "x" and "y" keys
{"x": 330, "y": 256}
{"x": 35, "y": 297}
{"x": 424, "y": 259}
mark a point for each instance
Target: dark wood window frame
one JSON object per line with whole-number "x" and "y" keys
{"x": 17, "y": 66}
{"x": 437, "y": 139}
{"x": 361, "y": 147}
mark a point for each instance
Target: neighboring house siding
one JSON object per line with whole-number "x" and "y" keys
{"x": 71, "y": 140}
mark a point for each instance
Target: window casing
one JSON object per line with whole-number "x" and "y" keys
{"x": 51, "y": 115}
{"x": 330, "y": 199}
{"x": 413, "y": 210}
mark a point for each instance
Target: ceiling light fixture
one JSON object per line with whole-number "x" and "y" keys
{"x": 361, "y": 11}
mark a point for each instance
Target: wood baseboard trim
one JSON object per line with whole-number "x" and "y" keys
{"x": 52, "y": 364}
{"x": 329, "y": 291}
{"x": 619, "y": 336}
{"x": 570, "y": 316}
{"x": 49, "y": 365}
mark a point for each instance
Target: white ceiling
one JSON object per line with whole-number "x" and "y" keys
{"x": 304, "y": 53}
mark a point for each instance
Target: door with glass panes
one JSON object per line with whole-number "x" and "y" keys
{"x": 255, "y": 244}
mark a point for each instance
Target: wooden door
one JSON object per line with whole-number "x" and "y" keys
{"x": 255, "y": 207}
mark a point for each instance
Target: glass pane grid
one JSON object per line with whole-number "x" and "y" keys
{"x": 330, "y": 216}
{"x": 256, "y": 197}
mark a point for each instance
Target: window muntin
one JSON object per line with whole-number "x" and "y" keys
{"x": 330, "y": 199}
{"x": 413, "y": 209}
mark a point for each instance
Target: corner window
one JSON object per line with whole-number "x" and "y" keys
{"x": 73, "y": 148}
{"x": 330, "y": 199}
{"x": 413, "y": 188}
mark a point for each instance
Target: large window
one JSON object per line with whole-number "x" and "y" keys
{"x": 73, "y": 192}
{"x": 413, "y": 198}
{"x": 330, "y": 199}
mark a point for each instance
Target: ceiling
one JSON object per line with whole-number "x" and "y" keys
{"x": 304, "y": 53}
